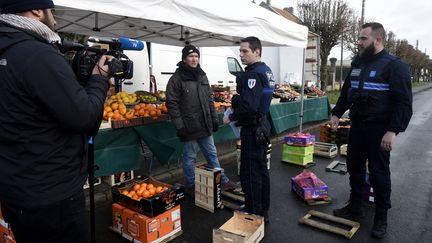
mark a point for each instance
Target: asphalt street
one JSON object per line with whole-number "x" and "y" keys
{"x": 409, "y": 219}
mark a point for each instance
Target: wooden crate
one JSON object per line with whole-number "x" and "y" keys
{"x": 241, "y": 228}
{"x": 327, "y": 150}
{"x": 343, "y": 149}
{"x": 208, "y": 188}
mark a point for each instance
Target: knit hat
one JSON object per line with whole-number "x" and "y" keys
{"x": 18, "y": 6}
{"x": 188, "y": 50}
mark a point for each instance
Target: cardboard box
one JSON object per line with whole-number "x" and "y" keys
{"x": 310, "y": 192}
{"x": 299, "y": 139}
{"x": 151, "y": 206}
{"x": 118, "y": 178}
{"x": 208, "y": 187}
{"x": 241, "y": 228}
{"x": 139, "y": 228}
{"x": 6, "y": 235}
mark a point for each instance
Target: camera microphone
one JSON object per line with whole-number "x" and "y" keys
{"x": 67, "y": 45}
{"x": 121, "y": 43}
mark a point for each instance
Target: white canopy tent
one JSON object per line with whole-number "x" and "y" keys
{"x": 175, "y": 22}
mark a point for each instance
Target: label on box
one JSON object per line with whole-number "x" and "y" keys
{"x": 132, "y": 227}
{"x": 153, "y": 225}
{"x": 175, "y": 215}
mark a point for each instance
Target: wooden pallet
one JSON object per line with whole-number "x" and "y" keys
{"x": 330, "y": 228}
{"x": 233, "y": 199}
{"x": 319, "y": 201}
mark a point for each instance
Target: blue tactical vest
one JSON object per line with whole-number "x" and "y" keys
{"x": 369, "y": 93}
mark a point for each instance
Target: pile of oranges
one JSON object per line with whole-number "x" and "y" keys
{"x": 143, "y": 190}
{"x": 118, "y": 111}
{"x": 150, "y": 110}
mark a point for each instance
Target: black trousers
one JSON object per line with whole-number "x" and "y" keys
{"x": 365, "y": 143}
{"x": 254, "y": 175}
{"x": 61, "y": 222}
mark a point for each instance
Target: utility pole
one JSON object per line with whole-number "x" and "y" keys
{"x": 363, "y": 11}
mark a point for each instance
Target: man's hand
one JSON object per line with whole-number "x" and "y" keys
{"x": 226, "y": 120}
{"x": 101, "y": 68}
{"x": 334, "y": 123}
{"x": 388, "y": 140}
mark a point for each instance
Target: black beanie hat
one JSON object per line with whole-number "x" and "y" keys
{"x": 18, "y": 6}
{"x": 188, "y": 50}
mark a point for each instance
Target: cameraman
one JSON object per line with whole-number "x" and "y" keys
{"x": 45, "y": 116}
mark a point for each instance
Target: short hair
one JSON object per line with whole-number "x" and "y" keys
{"x": 254, "y": 43}
{"x": 377, "y": 29}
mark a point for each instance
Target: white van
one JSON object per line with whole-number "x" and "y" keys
{"x": 219, "y": 63}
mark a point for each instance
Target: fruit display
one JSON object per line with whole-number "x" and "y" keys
{"x": 224, "y": 96}
{"x": 162, "y": 95}
{"x": 148, "y": 98}
{"x": 143, "y": 190}
{"x": 286, "y": 93}
{"x": 150, "y": 110}
{"x": 124, "y": 97}
{"x": 115, "y": 110}
{"x": 313, "y": 91}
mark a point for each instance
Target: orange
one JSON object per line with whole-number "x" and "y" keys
{"x": 146, "y": 194}
{"x": 159, "y": 189}
{"x": 137, "y": 107}
{"x": 107, "y": 109}
{"x": 149, "y": 186}
{"x": 152, "y": 191}
{"x": 125, "y": 192}
{"x": 114, "y": 106}
{"x": 136, "y": 187}
{"x": 122, "y": 110}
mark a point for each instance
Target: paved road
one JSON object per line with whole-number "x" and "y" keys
{"x": 409, "y": 219}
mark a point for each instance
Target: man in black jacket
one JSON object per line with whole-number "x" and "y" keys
{"x": 190, "y": 106}
{"x": 378, "y": 94}
{"x": 45, "y": 116}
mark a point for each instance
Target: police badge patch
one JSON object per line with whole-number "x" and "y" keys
{"x": 251, "y": 82}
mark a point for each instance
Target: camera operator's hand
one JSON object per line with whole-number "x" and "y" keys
{"x": 101, "y": 68}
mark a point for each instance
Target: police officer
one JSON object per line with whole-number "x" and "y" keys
{"x": 255, "y": 88}
{"x": 378, "y": 94}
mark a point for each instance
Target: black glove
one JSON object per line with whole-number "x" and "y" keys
{"x": 181, "y": 133}
{"x": 260, "y": 136}
{"x": 215, "y": 126}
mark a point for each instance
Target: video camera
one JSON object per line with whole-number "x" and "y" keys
{"x": 83, "y": 58}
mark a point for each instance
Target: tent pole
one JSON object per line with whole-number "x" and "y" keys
{"x": 302, "y": 90}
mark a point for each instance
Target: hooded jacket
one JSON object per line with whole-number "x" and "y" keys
{"x": 44, "y": 117}
{"x": 190, "y": 102}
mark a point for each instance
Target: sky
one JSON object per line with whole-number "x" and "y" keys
{"x": 410, "y": 20}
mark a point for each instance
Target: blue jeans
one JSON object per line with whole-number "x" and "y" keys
{"x": 208, "y": 149}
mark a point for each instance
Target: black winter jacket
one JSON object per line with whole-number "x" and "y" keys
{"x": 190, "y": 103}
{"x": 44, "y": 117}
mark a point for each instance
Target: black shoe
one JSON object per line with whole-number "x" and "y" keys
{"x": 190, "y": 192}
{"x": 351, "y": 211}
{"x": 379, "y": 228}
{"x": 229, "y": 185}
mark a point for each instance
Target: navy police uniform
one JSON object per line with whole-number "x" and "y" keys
{"x": 378, "y": 94}
{"x": 255, "y": 87}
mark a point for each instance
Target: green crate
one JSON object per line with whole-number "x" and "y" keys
{"x": 297, "y": 150}
{"x": 297, "y": 159}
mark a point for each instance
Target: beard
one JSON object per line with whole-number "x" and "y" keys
{"x": 368, "y": 51}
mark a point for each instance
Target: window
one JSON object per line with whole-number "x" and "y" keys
{"x": 233, "y": 65}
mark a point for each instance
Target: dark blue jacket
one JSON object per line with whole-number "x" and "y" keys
{"x": 255, "y": 87}
{"x": 377, "y": 90}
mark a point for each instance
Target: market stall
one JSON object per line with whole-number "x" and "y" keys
{"x": 118, "y": 150}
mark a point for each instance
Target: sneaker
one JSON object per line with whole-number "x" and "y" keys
{"x": 350, "y": 211}
{"x": 229, "y": 185}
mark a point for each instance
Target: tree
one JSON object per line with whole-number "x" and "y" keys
{"x": 329, "y": 19}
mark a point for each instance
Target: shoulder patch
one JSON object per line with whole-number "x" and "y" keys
{"x": 251, "y": 83}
